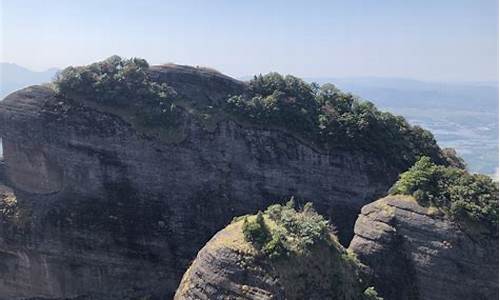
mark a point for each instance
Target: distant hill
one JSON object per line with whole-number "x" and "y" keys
{"x": 405, "y": 93}
{"x": 14, "y": 77}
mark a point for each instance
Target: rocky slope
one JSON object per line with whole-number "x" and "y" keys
{"x": 415, "y": 252}
{"x": 112, "y": 211}
{"x": 231, "y": 267}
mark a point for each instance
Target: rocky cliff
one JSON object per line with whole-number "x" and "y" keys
{"x": 415, "y": 252}
{"x": 106, "y": 209}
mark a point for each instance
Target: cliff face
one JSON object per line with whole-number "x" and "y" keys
{"x": 108, "y": 210}
{"x": 414, "y": 253}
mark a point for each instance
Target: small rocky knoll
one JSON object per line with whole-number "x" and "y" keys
{"x": 279, "y": 254}
{"x": 416, "y": 252}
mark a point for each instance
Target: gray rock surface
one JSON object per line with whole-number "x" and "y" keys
{"x": 112, "y": 212}
{"x": 416, "y": 253}
{"x": 221, "y": 272}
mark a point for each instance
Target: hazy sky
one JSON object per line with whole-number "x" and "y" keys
{"x": 422, "y": 39}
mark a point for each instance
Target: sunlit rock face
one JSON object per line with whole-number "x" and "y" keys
{"x": 107, "y": 210}
{"x": 416, "y": 253}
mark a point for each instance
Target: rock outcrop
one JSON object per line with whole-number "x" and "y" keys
{"x": 111, "y": 211}
{"x": 415, "y": 252}
{"x": 230, "y": 267}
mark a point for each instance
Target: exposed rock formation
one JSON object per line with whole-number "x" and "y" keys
{"x": 416, "y": 253}
{"x": 229, "y": 267}
{"x": 111, "y": 211}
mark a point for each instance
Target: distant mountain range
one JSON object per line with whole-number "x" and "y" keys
{"x": 460, "y": 115}
{"x": 14, "y": 77}
{"x": 398, "y": 92}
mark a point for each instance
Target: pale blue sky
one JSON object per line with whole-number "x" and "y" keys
{"x": 445, "y": 40}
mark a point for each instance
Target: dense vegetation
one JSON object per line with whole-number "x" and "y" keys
{"x": 464, "y": 196}
{"x": 333, "y": 118}
{"x": 295, "y": 231}
{"x": 123, "y": 83}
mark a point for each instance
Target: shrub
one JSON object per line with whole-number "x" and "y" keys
{"x": 275, "y": 247}
{"x": 295, "y": 231}
{"x": 123, "y": 83}
{"x": 255, "y": 230}
{"x": 463, "y": 196}
{"x": 306, "y": 226}
{"x": 371, "y": 294}
{"x": 277, "y": 100}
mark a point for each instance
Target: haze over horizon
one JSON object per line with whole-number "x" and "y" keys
{"x": 370, "y": 80}
{"x": 445, "y": 41}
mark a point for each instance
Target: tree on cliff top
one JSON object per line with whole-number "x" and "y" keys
{"x": 123, "y": 83}
{"x": 292, "y": 230}
{"x": 463, "y": 196}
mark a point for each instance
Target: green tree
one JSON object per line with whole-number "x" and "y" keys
{"x": 120, "y": 82}
{"x": 463, "y": 196}
{"x": 255, "y": 230}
